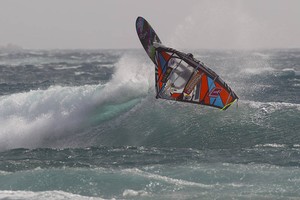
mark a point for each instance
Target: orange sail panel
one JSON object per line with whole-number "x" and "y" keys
{"x": 180, "y": 77}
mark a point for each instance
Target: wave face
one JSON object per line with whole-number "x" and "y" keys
{"x": 91, "y": 117}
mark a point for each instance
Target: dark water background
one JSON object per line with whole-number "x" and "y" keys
{"x": 85, "y": 124}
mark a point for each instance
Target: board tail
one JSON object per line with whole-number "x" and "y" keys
{"x": 147, "y": 36}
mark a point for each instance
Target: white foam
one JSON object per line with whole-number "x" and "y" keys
{"x": 63, "y": 67}
{"x": 274, "y": 145}
{"x": 256, "y": 70}
{"x": 5, "y": 173}
{"x": 271, "y": 106}
{"x": 288, "y": 70}
{"x": 178, "y": 182}
{"x": 28, "y": 119}
{"x": 49, "y": 195}
{"x": 81, "y": 73}
{"x": 292, "y": 71}
{"x": 134, "y": 193}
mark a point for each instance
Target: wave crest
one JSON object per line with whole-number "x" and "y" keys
{"x": 41, "y": 116}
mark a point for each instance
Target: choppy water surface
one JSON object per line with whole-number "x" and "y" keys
{"x": 85, "y": 124}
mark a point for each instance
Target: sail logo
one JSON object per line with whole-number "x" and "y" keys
{"x": 214, "y": 93}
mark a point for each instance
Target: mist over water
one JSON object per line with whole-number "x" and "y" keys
{"x": 79, "y": 124}
{"x": 236, "y": 24}
{"x": 57, "y": 111}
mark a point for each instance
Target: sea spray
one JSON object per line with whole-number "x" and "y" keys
{"x": 30, "y": 118}
{"x": 138, "y": 147}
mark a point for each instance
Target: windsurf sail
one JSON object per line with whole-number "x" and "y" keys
{"x": 180, "y": 77}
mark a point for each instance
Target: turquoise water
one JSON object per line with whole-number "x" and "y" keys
{"x": 85, "y": 124}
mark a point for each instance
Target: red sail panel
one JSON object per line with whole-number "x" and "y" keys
{"x": 162, "y": 58}
{"x": 165, "y": 55}
{"x": 204, "y": 90}
{"x": 188, "y": 80}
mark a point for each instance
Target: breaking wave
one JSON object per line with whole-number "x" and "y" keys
{"x": 124, "y": 112}
{"x": 29, "y": 119}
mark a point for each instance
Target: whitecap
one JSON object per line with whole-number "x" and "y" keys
{"x": 178, "y": 182}
{"x": 135, "y": 193}
{"x": 49, "y": 195}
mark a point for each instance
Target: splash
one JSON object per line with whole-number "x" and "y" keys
{"x": 56, "y": 194}
{"x": 40, "y": 117}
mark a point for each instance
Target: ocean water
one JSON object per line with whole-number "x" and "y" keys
{"x": 85, "y": 124}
